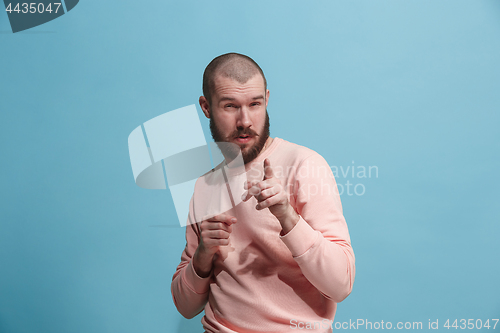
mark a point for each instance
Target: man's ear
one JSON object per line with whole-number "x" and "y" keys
{"x": 267, "y": 97}
{"x": 205, "y": 106}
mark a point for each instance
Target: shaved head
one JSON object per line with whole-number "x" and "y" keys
{"x": 235, "y": 66}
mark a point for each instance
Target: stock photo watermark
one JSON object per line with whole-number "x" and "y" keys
{"x": 349, "y": 180}
{"x": 358, "y": 173}
{"x": 160, "y": 161}
{"x": 366, "y": 324}
{"x": 25, "y": 15}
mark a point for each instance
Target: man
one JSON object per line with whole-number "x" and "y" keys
{"x": 282, "y": 258}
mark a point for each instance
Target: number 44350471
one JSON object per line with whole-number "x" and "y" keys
{"x": 471, "y": 324}
{"x": 33, "y": 8}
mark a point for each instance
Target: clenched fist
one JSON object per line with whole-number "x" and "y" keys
{"x": 214, "y": 232}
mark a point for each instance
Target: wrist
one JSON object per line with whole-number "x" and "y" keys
{"x": 289, "y": 220}
{"x": 202, "y": 263}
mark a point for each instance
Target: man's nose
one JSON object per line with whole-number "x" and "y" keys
{"x": 243, "y": 118}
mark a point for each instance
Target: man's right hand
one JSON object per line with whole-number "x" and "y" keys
{"x": 215, "y": 233}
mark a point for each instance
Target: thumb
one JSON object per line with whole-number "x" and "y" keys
{"x": 268, "y": 170}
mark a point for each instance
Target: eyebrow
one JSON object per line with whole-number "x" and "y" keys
{"x": 225, "y": 98}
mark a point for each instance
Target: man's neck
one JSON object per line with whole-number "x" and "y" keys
{"x": 268, "y": 143}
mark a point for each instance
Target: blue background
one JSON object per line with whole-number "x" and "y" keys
{"x": 408, "y": 86}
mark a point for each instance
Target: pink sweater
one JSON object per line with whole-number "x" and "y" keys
{"x": 264, "y": 282}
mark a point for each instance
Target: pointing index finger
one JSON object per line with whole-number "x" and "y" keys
{"x": 268, "y": 170}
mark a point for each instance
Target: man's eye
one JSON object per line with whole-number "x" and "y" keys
{"x": 255, "y": 104}
{"x": 229, "y": 106}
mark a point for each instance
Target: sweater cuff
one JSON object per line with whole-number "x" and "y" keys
{"x": 196, "y": 283}
{"x": 301, "y": 238}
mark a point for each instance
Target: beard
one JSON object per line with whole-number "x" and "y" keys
{"x": 253, "y": 150}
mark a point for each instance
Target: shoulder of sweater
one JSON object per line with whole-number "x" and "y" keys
{"x": 298, "y": 152}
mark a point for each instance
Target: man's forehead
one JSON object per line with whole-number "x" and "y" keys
{"x": 221, "y": 82}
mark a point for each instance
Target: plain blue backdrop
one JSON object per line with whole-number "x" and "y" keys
{"x": 411, "y": 87}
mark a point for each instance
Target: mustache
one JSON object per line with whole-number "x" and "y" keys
{"x": 244, "y": 131}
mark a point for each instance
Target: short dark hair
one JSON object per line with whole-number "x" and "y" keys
{"x": 235, "y": 66}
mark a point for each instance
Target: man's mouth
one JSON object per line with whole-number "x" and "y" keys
{"x": 244, "y": 138}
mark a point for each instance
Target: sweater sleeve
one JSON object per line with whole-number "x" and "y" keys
{"x": 189, "y": 291}
{"x": 320, "y": 242}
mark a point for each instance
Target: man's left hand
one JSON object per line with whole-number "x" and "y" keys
{"x": 270, "y": 193}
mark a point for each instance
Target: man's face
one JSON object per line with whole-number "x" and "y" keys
{"x": 238, "y": 114}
